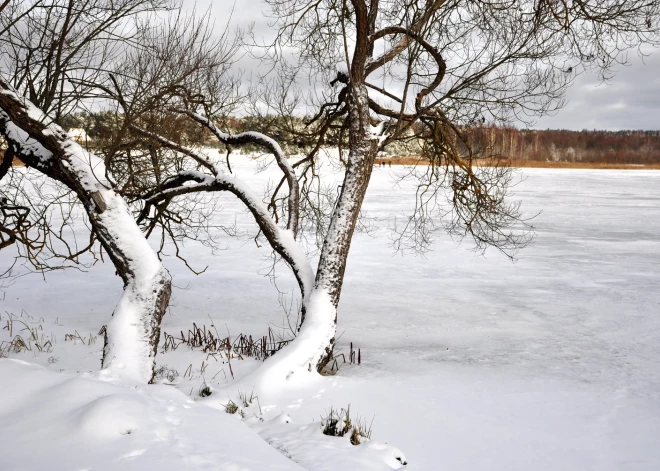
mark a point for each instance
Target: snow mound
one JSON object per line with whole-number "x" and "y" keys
{"x": 59, "y": 421}
{"x": 112, "y": 416}
{"x": 308, "y": 446}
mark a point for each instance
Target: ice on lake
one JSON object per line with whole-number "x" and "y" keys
{"x": 469, "y": 362}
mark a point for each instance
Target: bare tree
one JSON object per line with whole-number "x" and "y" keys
{"x": 81, "y": 51}
{"x": 423, "y": 73}
{"x": 416, "y": 74}
{"x": 134, "y": 331}
{"x": 420, "y": 75}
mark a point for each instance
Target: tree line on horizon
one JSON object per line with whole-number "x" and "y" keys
{"x": 632, "y": 147}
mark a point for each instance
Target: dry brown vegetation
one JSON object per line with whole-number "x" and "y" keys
{"x": 517, "y": 163}
{"x": 586, "y": 149}
{"x": 585, "y": 165}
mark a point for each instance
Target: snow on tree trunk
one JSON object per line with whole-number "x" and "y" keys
{"x": 363, "y": 147}
{"x": 134, "y": 331}
{"x": 318, "y": 328}
{"x": 312, "y": 348}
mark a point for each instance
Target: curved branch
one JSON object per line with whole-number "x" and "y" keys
{"x": 197, "y": 157}
{"x": 274, "y": 148}
{"x": 409, "y": 34}
{"x": 280, "y": 240}
{"x": 382, "y": 60}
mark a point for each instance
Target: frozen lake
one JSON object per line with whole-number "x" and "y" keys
{"x": 469, "y": 362}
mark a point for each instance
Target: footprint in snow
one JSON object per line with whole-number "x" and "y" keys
{"x": 296, "y": 404}
{"x": 133, "y": 454}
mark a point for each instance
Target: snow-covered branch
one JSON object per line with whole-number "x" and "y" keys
{"x": 197, "y": 156}
{"x": 274, "y": 148}
{"x": 281, "y": 240}
{"x": 134, "y": 331}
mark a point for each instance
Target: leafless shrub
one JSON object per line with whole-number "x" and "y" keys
{"x": 242, "y": 346}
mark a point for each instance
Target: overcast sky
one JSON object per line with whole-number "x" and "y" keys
{"x": 631, "y": 100}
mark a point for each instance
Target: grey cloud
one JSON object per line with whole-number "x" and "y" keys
{"x": 631, "y": 100}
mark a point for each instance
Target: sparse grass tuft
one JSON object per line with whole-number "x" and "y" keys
{"x": 205, "y": 390}
{"x": 209, "y": 341}
{"x": 76, "y": 337}
{"x": 231, "y": 407}
{"x": 333, "y": 366}
{"x": 339, "y": 424}
{"x": 245, "y": 400}
{"x": 32, "y": 335}
{"x": 361, "y": 431}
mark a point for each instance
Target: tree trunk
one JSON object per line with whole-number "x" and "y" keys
{"x": 363, "y": 148}
{"x": 134, "y": 331}
{"x": 312, "y": 348}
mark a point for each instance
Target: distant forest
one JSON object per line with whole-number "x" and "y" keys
{"x": 611, "y": 147}
{"x": 586, "y": 146}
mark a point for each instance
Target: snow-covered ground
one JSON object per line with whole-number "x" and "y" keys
{"x": 468, "y": 362}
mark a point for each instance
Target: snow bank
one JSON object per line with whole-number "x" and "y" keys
{"x": 295, "y": 365}
{"x": 60, "y": 421}
{"x": 308, "y": 446}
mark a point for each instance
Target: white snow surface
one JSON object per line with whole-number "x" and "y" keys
{"x": 468, "y": 362}
{"x": 63, "y": 421}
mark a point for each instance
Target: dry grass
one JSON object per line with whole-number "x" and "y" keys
{"x": 24, "y": 333}
{"x": 584, "y": 165}
{"x": 339, "y": 423}
{"x": 414, "y": 160}
{"x": 242, "y": 346}
{"x": 15, "y": 162}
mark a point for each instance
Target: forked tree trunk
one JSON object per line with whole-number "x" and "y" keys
{"x": 363, "y": 148}
{"x": 134, "y": 330}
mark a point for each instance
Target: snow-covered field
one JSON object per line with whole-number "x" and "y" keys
{"x": 468, "y": 362}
